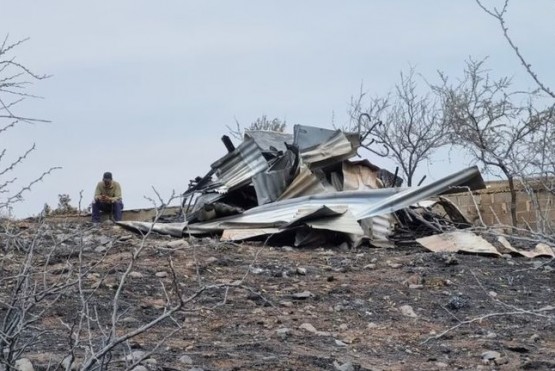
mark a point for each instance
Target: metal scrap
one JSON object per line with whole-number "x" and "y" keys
{"x": 307, "y": 187}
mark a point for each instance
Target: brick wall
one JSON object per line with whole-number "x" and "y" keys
{"x": 494, "y": 205}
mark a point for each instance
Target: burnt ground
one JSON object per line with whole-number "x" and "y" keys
{"x": 296, "y": 309}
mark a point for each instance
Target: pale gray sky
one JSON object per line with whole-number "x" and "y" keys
{"x": 145, "y": 89}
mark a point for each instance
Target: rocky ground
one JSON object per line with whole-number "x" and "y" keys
{"x": 279, "y": 308}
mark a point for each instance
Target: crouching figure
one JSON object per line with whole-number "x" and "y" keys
{"x": 107, "y": 199}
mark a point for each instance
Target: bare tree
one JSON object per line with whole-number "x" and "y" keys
{"x": 499, "y": 16}
{"x": 491, "y": 121}
{"x": 412, "y": 124}
{"x": 14, "y": 80}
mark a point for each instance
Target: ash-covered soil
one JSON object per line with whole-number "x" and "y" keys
{"x": 282, "y": 308}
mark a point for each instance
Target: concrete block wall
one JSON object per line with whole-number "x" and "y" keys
{"x": 494, "y": 206}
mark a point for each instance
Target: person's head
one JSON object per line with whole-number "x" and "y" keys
{"x": 107, "y": 178}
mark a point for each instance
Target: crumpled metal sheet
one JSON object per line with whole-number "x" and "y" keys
{"x": 237, "y": 168}
{"x": 270, "y": 184}
{"x": 360, "y": 175}
{"x": 458, "y": 241}
{"x": 304, "y": 184}
{"x": 540, "y": 249}
{"x": 266, "y": 139}
{"x": 413, "y": 195}
{"x": 336, "y": 149}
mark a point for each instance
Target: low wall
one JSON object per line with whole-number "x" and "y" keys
{"x": 494, "y": 205}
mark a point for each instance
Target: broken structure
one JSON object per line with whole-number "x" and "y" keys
{"x": 307, "y": 188}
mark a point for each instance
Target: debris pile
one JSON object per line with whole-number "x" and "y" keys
{"x": 306, "y": 188}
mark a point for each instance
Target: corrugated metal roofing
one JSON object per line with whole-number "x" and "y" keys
{"x": 266, "y": 139}
{"x": 237, "y": 168}
{"x": 410, "y": 196}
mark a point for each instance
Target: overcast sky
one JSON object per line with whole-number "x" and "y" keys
{"x": 145, "y": 89}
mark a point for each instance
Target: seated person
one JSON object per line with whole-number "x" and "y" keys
{"x": 107, "y": 198}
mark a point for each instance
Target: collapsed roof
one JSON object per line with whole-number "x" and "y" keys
{"x": 307, "y": 188}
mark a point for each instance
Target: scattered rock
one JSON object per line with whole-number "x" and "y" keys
{"x": 415, "y": 287}
{"x": 308, "y": 327}
{"x": 493, "y": 294}
{"x": 390, "y": 264}
{"x": 101, "y": 249}
{"x": 301, "y": 271}
{"x": 139, "y": 368}
{"x": 490, "y": 355}
{"x": 407, "y": 310}
{"x": 287, "y": 248}
{"x": 185, "y": 359}
{"x": 135, "y": 274}
{"x": 343, "y": 327}
{"x": 66, "y": 364}
{"x": 491, "y": 335}
{"x": 255, "y": 270}
{"x": 339, "y": 343}
{"x": 347, "y": 366}
{"x": 302, "y": 295}
{"x": 370, "y": 266}
{"x": 441, "y": 365}
{"x": 125, "y": 238}
{"x": 286, "y": 303}
{"x": 178, "y": 244}
{"x": 535, "y": 338}
{"x": 24, "y": 364}
{"x": 456, "y": 303}
{"x": 161, "y": 274}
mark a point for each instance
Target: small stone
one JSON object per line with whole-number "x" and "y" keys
{"x": 490, "y": 355}
{"x": 125, "y": 237}
{"x": 161, "y": 274}
{"x": 308, "y": 327}
{"x": 371, "y": 325}
{"x": 441, "y": 365}
{"x": 343, "y": 327}
{"x": 339, "y": 343}
{"x": 393, "y": 265}
{"x": 491, "y": 335}
{"x": 301, "y": 271}
{"x": 24, "y": 364}
{"x": 407, "y": 310}
{"x": 370, "y": 266}
{"x": 255, "y": 270}
{"x": 178, "y": 244}
{"x": 285, "y": 303}
{"x": 302, "y": 295}
{"x": 185, "y": 359}
{"x": 135, "y": 274}
{"x": 493, "y": 294}
{"x": 535, "y": 338}
{"x": 415, "y": 287}
{"x": 548, "y": 269}
{"x": 139, "y": 368}
{"x": 287, "y": 248}
{"x": 347, "y": 366}
{"x": 100, "y": 249}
